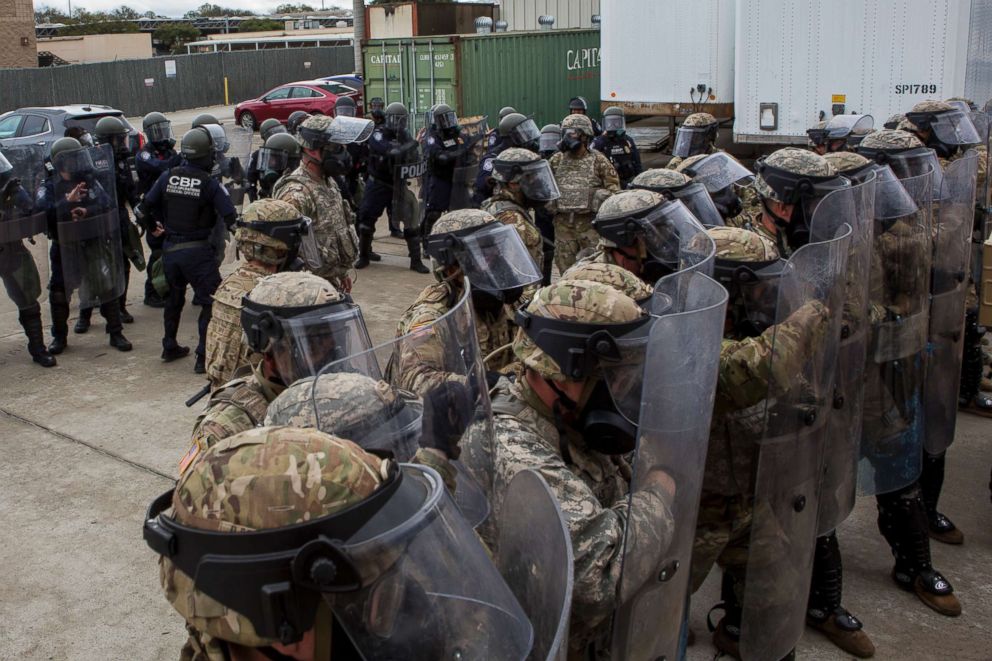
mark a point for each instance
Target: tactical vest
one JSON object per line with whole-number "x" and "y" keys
{"x": 577, "y": 182}
{"x": 242, "y": 394}
{"x": 187, "y": 210}
{"x": 620, "y": 155}
{"x": 226, "y": 350}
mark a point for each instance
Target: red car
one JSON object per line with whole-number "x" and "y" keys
{"x": 312, "y": 96}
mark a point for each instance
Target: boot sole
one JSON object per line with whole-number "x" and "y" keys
{"x": 842, "y": 639}
{"x": 955, "y": 539}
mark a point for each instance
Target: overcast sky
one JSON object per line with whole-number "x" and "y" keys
{"x": 180, "y": 7}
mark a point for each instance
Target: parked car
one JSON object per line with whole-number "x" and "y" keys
{"x": 312, "y": 96}
{"x": 45, "y": 125}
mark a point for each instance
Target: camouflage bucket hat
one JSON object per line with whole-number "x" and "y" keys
{"x": 580, "y": 301}
{"x": 740, "y": 245}
{"x": 294, "y": 290}
{"x": 660, "y": 180}
{"x": 845, "y": 161}
{"x": 262, "y": 479}
{"x": 370, "y": 412}
{"x": 579, "y": 123}
{"x": 794, "y": 161}
{"x": 264, "y": 211}
{"x": 613, "y": 276}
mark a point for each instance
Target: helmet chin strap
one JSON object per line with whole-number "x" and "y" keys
{"x": 781, "y": 226}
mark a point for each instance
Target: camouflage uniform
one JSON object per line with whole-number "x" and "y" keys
{"x": 592, "y": 488}
{"x": 226, "y": 348}
{"x": 333, "y": 221}
{"x": 599, "y": 267}
{"x": 508, "y": 209}
{"x": 259, "y": 479}
{"x": 696, "y": 119}
{"x": 585, "y": 182}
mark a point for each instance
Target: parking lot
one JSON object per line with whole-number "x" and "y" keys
{"x": 87, "y": 446}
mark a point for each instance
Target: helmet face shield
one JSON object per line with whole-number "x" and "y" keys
{"x": 698, "y": 201}
{"x": 692, "y": 140}
{"x": 753, "y": 290}
{"x": 396, "y": 122}
{"x": 841, "y": 126}
{"x": 792, "y": 188}
{"x": 77, "y": 161}
{"x": 493, "y": 257}
{"x": 301, "y": 344}
{"x": 549, "y": 141}
{"x": 718, "y": 171}
{"x": 892, "y": 200}
{"x": 159, "y": 132}
{"x": 537, "y": 182}
{"x": 446, "y": 120}
{"x": 276, "y": 160}
{"x": 614, "y": 123}
{"x": 218, "y": 138}
{"x": 525, "y": 133}
{"x": 954, "y": 128}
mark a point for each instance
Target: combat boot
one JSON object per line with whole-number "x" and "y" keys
{"x": 30, "y": 319}
{"x": 824, "y": 612}
{"x": 727, "y": 632}
{"x": 903, "y": 522}
{"x": 971, "y": 397}
{"x": 364, "y": 250}
{"x": 201, "y": 364}
{"x": 174, "y": 353}
{"x": 84, "y": 321}
{"x": 413, "y": 247}
{"x": 111, "y": 311}
{"x": 940, "y": 528}
{"x": 59, "y": 304}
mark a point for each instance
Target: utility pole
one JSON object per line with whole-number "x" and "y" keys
{"x": 358, "y": 20}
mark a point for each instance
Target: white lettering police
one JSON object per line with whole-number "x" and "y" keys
{"x": 185, "y": 186}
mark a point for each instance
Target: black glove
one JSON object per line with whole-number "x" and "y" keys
{"x": 448, "y": 411}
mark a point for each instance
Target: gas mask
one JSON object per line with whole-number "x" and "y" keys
{"x": 727, "y": 202}
{"x": 571, "y": 141}
{"x": 335, "y": 160}
{"x": 604, "y": 429}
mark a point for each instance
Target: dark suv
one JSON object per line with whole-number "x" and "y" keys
{"x": 43, "y": 126}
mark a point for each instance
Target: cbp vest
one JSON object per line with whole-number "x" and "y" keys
{"x": 187, "y": 209}
{"x": 619, "y": 152}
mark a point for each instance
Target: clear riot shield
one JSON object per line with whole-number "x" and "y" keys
{"x": 408, "y": 177}
{"x": 838, "y": 490}
{"x": 892, "y": 424}
{"x": 89, "y": 230}
{"x": 953, "y": 222}
{"x": 683, "y": 363}
{"x": 473, "y": 137}
{"x": 23, "y": 245}
{"x": 441, "y": 364}
{"x": 534, "y": 555}
{"x": 787, "y": 485}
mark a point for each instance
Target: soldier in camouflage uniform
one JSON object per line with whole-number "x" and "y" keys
{"x": 284, "y": 604}
{"x": 298, "y": 323}
{"x": 697, "y": 135}
{"x": 455, "y": 244}
{"x": 586, "y": 179}
{"x": 723, "y": 528}
{"x": 787, "y": 184}
{"x": 307, "y": 189}
{"x": 541, "y": 424}
{"x": 905, "y": 518}
{"x": 523, "y": 182}
{"x": 724, "y": 179}
{"x": 614, "y": 276}
{"x": 268, "y": 236}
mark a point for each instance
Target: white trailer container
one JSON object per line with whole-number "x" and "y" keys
{"x": 798, "y": 61}
{"x": 659, "y": 54}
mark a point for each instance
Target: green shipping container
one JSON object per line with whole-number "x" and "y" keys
{"x": 535, "y": 72}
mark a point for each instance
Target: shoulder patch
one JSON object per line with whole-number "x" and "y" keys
{"x": 187, "y": 460}
{"x": 145, "y": 156}
{"x": 488, "y": 165}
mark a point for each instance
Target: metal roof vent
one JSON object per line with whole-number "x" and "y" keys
{"x": 546, "y": 22}
{"x": 483, "y": 25}
{"x": 501, "y": 26}
{"x": 597, "y": 21}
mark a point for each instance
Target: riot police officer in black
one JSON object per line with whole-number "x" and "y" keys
{"x": 617, "y": 146}
{"x": 156, "y": 156}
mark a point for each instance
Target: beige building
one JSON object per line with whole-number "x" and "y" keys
{"x": 98, "y": 47}
{"x": 17, "y": 41}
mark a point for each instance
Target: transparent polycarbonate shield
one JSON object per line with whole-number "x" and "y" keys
{"x": 23, "y": 244}
{"x": 717, "y": 171}
{"x": 953, "y": 221}
{"x": 440, "y": 363}
{"x": 892, "y": 420}
{"x": 472, "y": 136}
{"x": 691, "y": 140}
{"x": 408, "y": 180}
{"x": 698, "y": 200}
{"x": 955, "y": 128}
{"x": 675, "y": 241}
{"x": 549, "y": 141}
{"x": 854, "y": 206}
{"x": 495, "y": 259}
{"x": 534, "y": 555}
{"x": 429, "y": 588}
{"x": 917, "y": 162}
{"x": 796, "y": 411}
{"x": 346, "y": 130}
{"x": 841, "y": 126}
{"x": 682, "y": 362}
{"x": 234, "y": 159}
{"x": 89, "y": 230}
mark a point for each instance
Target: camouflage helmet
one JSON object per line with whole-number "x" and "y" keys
{"x": 258, "y": 246}
{"x": 660, "y": 180}
{"x": 371, "y": 412}
{"x": 203, "y": 119}
{"x": 268, "y": 128}
{"x": 846, "y": 161}
{"x": 793, "y": 161}
{"x": 503, "y": 165}
{"x": 613, "y": 275}
{"x": 573, "y": 302}
{"x": 578, "y": 123}
{"x": 890, "y": 140}
{"x": 740, "y": 245}
{"x": 262, "y": 479}
{"x": 462, "y": 219}
{"x": 312, "y": 133}
{"x": 688, "y": 162}
{"x": 963, "y": 101}
{"x": 293, "y": 290}
{"x": 893, "y": 121}
{"x": 699, "y": 119}
{"x": 633, "y": 202}
{"x": 817, "y": 134}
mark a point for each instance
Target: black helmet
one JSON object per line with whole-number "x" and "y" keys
{"x": 444, "y": 117}
{"x": 157, "y": 128}
{"x": 521, "y": 130}
{"x": 111, "y": 131}
{"x": 578, "y": 103}
{"x": 203, "y": 119}
{"x": 197, "y": 144}
{"x": 64, "y": 154}
{"x": 345, "y": 107}
{"x": 269, "y": 127}
{"x": 377, "y": 107}
{"x": 396, "y": 116}
{"x": 295, "y": 119}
